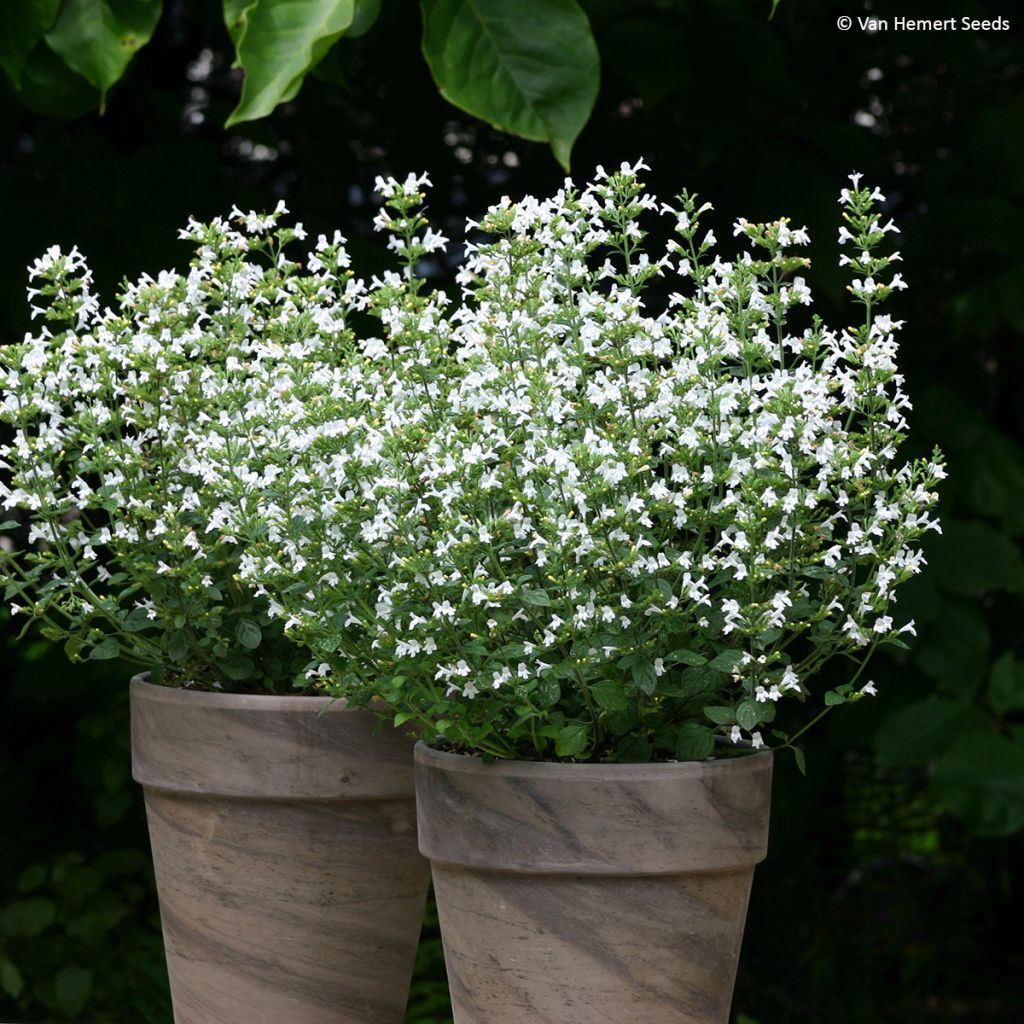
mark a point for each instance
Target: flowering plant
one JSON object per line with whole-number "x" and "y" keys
{"x": 126, "y": 551}
{"x": 564, "y": 520}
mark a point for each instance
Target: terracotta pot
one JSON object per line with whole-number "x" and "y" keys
{"x": 291, "y": 891}
{"x": 570, "y": 894}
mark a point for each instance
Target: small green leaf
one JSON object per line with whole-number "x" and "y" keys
{"x": 683, "y": 657}
{"x": 727, "y": 661}
{"x": 72, "y": 987}
{"x": 609, "y": 696}
{"x": 529, "y": 67}
{"x": 801, "y": 764}
{"x": 549, "y": 691}
{"x": 137, "y": 620}
{"x": 633, "y": 750}
{"x": 537, "y": 597}
{"x": 832, "y": 699}
{"x": 249, "y": 635}
{"x": 644, "y": 676}
{"x": 748, "y": 714}
{"x": 105, "y": 650}
{"x": 694, "y": 742}
{"x": 238, "y": 667}
{"x": 277, "y": 42}
{"x": 98, "y": 38}
{"x": 27, "y": 918}
{"x": 572, "y": 740}
{"x": 721, "y": 715}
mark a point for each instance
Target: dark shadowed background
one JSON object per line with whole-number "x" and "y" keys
{"x": 892, "y": 893}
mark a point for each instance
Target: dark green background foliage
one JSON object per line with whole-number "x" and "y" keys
{"x": 892, "y": 891}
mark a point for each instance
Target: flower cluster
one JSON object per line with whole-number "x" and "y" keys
{"x": 613, "y": 505}
{"x": 125, "y": 548}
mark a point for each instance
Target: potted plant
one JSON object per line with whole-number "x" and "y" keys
{"x": 282, "y": 822}
{"x": 613, "y": 515}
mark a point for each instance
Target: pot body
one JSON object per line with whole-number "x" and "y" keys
{"x": 570, "y": 894}
{"x": 283, "y": 836}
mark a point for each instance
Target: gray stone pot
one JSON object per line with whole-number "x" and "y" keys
{"x": 291, "y": 891}
{"x": 570, "y": 894}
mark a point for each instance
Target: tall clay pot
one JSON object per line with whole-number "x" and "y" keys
{"x": 283, "y": 835}
{"x": 570, "y": 894}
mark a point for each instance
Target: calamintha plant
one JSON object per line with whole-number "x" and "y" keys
{"x": 121, "y": 549}
{"x": 560, "y": 522}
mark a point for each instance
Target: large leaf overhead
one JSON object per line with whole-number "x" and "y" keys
{"x": 97, "y": 38}
{"x": 25, "y": 22}
{"x": 277, "y": 42}
{"x": 529, "y": 67}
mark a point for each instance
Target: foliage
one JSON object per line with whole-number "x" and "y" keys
{"x": 553, "y": 523}
{"x": 528, "y": 66}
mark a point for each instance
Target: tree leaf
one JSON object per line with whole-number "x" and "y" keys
{"x": 277, "y": 42}
{"x": 51, "y": 88}
{"x": 974, "y": 558}
{"x": 537, "y": 597}
{"x": 721, "y": 715}
{"x": 98, "y": 38}
{"x": 644, "y": 676}
{"x": 11, "y": 980}
{"x": 920, "y": 732}
{"x": 72, "y": 986}
{"x": 137, "y": 620}
{"x": 694, "y": 742}
{"x": 726, "y": 661}
{"x": 954, "y": 649}
{"x": 25, "y": 23}
{"x": 237, "y": 667}
{"x": 980, "y": 779}
{"x": 1006, "y": 685}
{"x": 529, "y": 67}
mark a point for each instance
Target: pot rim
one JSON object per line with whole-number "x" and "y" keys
{"x": 452, "y": 762}
{"x": 236, "y": 701}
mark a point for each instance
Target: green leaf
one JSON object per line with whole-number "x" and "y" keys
{"x": 833, "y": 699}
{"x": 27, "y": 918}
{"x": 920, "y": 732}
{"x": 572, "y": 740}
{"x": 633, "y": 750}
{"x": 954, "y": 648}
{"x": 644, "y": 676}
{"x": 691, "y": 658}
{"x": 974, "y": 558}
{"x": 748, "y": 714}
{"x": 98, "y": 38}
{"x": 537, "y": 597}
{"x": 549, "y": 691}
{"x": 137, "y": 620}
{"x": 694, "y": 742}
{"x": 72, "y": 986}
{"x": 11, "y": 980}
{"x": 980, "y": 779}
{"x": 801, "y": 763}
{"x": 51, "y": 88}
{"x": 609, "y": 695}
{"x": 529, "y": 67}
{"x": 249, "y": 635}
{"x": 721, "y": 715}
{"x": 726, "y": 661}
{"x": 237, "y": 667}
{"x": 105, "y": 650}
{"x": 25, "y": 23}
{"x": 1006, "y": 685}
{"x": 277, "y": 42}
